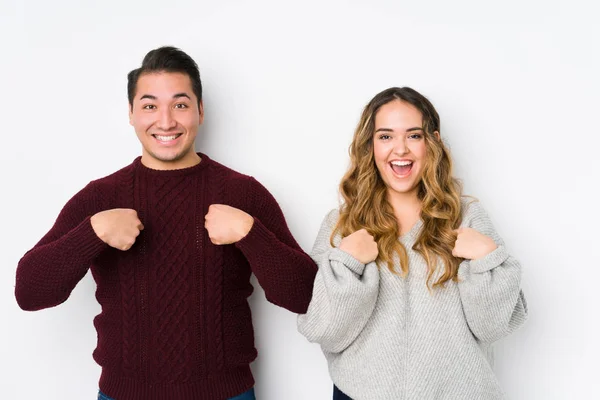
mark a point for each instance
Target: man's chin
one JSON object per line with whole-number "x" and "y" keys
{"x": 168, "y": 156}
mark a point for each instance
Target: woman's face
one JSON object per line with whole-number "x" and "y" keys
{"x": 399, "y": 146}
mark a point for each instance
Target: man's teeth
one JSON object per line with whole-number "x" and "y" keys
{"x": 401, "y": 163}
{"x": 166, "y": 138}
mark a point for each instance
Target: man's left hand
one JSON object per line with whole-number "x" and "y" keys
{"x": 226, "y": 225}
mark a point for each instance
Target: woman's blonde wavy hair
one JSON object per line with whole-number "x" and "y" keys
{"x": 364, "y": 193}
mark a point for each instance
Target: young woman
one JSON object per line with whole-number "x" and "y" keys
{"x": 414, "y": 283}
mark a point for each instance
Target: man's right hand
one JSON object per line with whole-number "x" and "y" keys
{"x": 118, "y": 227}
{"x": 361, "y": 246}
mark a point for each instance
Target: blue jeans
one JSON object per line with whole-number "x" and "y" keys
{"x": 339, "y": 395}
{"x": 249, "y": 395}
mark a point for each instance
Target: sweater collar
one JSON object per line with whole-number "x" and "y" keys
{"x": 204, "y": 163}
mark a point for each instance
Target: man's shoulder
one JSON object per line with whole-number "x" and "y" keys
{"x": 122, "y": 176}
{"x": 231, "y": 176}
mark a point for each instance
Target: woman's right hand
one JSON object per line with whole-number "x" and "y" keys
{"x": 360, "y": 245}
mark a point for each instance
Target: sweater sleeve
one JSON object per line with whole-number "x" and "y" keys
{"x": 490, "y": 288}
{"x": 282, "y": 268}
{"x": 344, "y": 294}
{"x": 47, "y": 274}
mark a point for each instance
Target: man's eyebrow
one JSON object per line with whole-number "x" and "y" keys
{"x": 175, "y": 96}
{"x": 178, "y": 95}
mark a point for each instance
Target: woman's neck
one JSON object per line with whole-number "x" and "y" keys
{"x": 407, "y": 209}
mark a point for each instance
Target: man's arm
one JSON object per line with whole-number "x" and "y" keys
{"x": 48, "y": 272}
{"x": 282, "y": 268}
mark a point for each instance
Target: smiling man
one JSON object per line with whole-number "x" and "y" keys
{"x": 172, "y": 240}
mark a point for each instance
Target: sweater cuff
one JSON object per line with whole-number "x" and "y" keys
{"x": 485, "y": 264}
{"x": 88, "y": 244}
{"x": 348, "y": 260}
{"x": 256, "y": 240}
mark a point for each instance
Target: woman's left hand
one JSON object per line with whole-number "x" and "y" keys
{"x": 472, "y": 245}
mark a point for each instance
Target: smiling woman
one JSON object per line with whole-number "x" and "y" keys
{"x": 399, "y": 146}
{"x": 414, "y": 283}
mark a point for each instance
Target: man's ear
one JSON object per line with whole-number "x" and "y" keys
{"x": 201, "y": 111}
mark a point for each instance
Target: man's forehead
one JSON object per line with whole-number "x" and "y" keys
{"x": 163, "y": 85}
{"x": 154, "y": 78}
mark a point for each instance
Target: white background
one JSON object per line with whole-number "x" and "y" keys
{"x": 516, "y": 84}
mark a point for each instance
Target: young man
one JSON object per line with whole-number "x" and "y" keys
{"x": 172, "y": 240}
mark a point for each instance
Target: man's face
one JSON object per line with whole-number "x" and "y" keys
{"x": 165, "y": 115}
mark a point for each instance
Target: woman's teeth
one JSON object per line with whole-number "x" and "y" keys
{"x": 401, "y": 167}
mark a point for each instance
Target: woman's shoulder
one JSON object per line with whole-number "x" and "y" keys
{"x": 332, "y": 217}
{"x": 328, "y": 225}
{"x": 473, "y": 213}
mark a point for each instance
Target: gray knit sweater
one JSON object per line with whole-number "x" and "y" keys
{"x": 386, "y": 337}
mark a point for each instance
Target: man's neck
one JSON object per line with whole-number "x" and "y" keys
{"x": 188, "y": 161}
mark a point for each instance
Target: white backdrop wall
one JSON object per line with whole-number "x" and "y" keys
{"x": 516, "y": 84}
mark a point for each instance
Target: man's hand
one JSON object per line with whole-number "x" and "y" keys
{"x": 118, "y": 227}
{"x": 361, "y": 246}
{"x": 226, "y": 225}
{"x": 472, "y": 245}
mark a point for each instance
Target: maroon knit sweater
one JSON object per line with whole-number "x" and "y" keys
{"x": 175, "y": 321}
